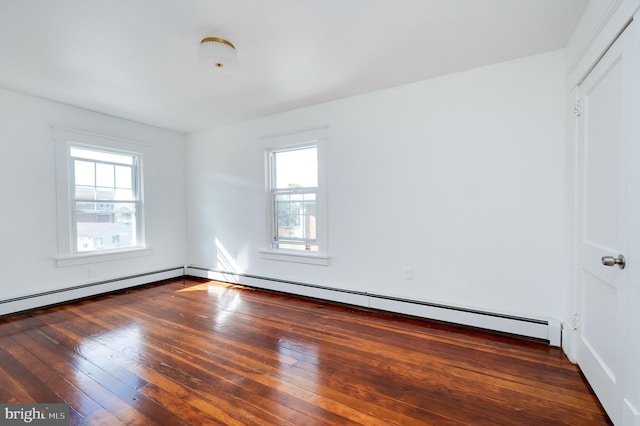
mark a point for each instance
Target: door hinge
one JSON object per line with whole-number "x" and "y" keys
{"x": 575, "y": 322}
{"x": 577, "y": 109}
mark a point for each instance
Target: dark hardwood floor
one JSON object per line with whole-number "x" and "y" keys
{"x": 189, "y": 351}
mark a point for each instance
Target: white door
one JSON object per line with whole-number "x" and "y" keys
{"x": 604, "y": 134}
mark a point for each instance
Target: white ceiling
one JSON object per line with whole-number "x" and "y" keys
{"x": 138, "y": 59}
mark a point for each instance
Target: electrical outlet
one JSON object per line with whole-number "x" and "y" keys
{"x": 92, "y": 272}
{"x": 407, "y": 273}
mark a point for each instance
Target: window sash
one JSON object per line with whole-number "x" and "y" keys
{"x": 307, "y": 238}
{"x": 98, "y": 229}
{"x": 135, "y": 197}
{"x": 128, "y": 220}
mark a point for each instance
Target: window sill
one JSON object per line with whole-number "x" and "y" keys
{"x": 83, "y": 259}
{"x": 320, "y": 259}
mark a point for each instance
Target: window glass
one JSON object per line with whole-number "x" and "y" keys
{"x": 105, "y": 201}
{"x": 294, "y": 188}
{"x": 297, "y": 168}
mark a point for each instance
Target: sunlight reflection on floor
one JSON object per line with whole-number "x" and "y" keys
{"x": 227, "y": 298}
{"x": 228, "y": 301}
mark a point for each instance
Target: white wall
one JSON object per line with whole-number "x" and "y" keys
{"x": 460, "y": 177}
{"x": 28, "y": 215}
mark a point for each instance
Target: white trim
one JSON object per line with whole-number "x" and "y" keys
{"x": 106, "y": 256}
{"x": 591, "y": 24}
{"x": 599, "y": 26}
{"x": 554, "y": 333}
{"x": 630, "y": 414}
{"x": 291, "y": 139}
{"x": 63, "y": 139}
{"x": 569, "y": 342}
{"x": 91, "y": 289}
{"x": 544, "y": 329}
{"x": 287, "y": 256}
{"x": 68, "y": 133}
{"x": 474, "y": 319}
{"x": 345, "y": 296}
{"x": 493, "y": 321}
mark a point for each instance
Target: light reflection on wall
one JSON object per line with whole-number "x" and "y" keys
{"x": 228, "y": 300}
{"x": 225, "y": 261}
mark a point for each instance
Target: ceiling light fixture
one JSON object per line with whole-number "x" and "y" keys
{"x": 218, "y": 53}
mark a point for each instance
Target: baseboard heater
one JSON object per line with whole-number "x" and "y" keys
{"x": 52, "y": 297}
{"x": 543, "y": 329}
{"x": 549, "y": 330}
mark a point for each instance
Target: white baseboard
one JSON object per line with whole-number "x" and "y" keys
{"x": 544, "y": 329}
{"x": 569, "y": 343}
{"x": 299, "y": 289}
{"x": 53, "y": 297}
{"x": 540, "y": 329}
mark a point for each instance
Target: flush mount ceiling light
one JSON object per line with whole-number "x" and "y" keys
{"x": 218, "y": 54}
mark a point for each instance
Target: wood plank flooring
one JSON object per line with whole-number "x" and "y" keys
{"x": 190, "y": 351}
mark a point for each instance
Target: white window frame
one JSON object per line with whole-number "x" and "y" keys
{"x": 307, "y": 139}
{"x": 65, "y": 139}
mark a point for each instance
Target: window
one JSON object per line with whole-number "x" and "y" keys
{"x": 105, "y": 199}
{"x": 99, "y": 193}
{"x": 294, "y": 188}
{"x": 296, "y": 219}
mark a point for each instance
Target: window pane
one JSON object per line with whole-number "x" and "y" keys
{"x": 104, "y": 175}
{"x": 293, "y": 245}
{"x": 105, "y": 193}
{"x": 297, "y": 168}
{"x": 84, "y": 206}
{"x": 103, "y": 226}
{"x": 124, "y": 194}
{"x": 107, "y": 157}
{"x": 104, "y": 206}
{"x": 84, "y": 173}
{"x": 295, "y": 220}
{"x": 98, "y": 181}
{"x": 123, "y": 177}
{"x": 86, "y": 192}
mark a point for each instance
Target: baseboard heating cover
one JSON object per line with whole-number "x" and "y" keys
{"x": 544, "y": 329}
{"x": 52, "y": 297}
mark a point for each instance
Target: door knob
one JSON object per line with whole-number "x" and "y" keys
{"x": 610, "y": 261}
